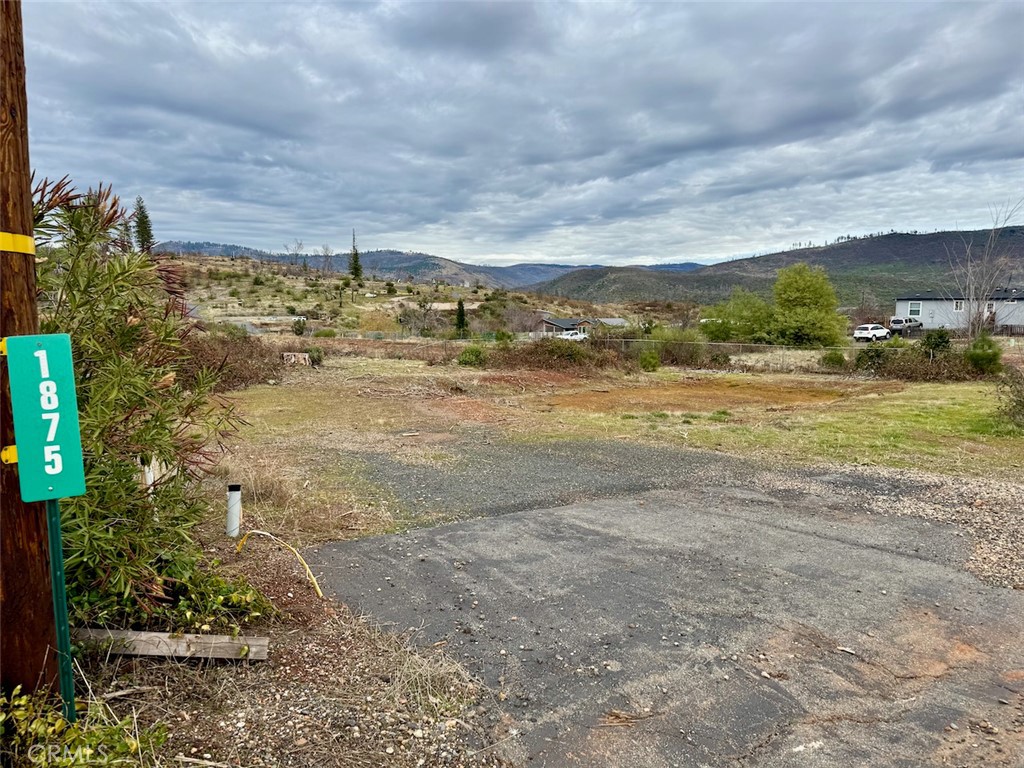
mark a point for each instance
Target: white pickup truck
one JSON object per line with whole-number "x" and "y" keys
{"x": 573, "y": 335}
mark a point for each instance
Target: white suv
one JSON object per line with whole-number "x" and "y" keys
{"x": 871, "y": 332}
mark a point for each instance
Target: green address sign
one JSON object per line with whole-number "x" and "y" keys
{"x": 46, "y": 430}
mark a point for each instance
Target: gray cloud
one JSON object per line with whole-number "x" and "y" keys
{"x": 504, "y": 131}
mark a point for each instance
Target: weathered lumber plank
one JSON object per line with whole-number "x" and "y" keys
{"x": 177, "y": 646}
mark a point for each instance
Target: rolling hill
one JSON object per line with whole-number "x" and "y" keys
{"x": 391, "y": 265}
{"x": 872, "y": 269}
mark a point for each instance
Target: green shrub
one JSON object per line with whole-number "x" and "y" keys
{"x": 130, "y": 559}
{"x": 1011, "y": 395}
{"x": 299, "y": 327}
{"x": 649, "y": 360}
{"x": 984, "y": 355}
{"x": 325, "y": 333}
{"x": 33, "y": 731}
{"x": 291, "y": 310}
{"x": 504, "y": 336}
{"x": 316, "y": 355}
{"x": 474, "y": 356}
{"x": 936, "y": 340}
{"x": 718, "y": 359}
{"x": 834, "y": 358}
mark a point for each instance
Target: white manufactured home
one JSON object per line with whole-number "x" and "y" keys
{"x": 1003, "y": 309}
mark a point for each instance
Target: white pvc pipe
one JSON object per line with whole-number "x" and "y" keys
{"x": 234, "y": 509}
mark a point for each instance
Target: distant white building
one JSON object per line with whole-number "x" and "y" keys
{"x": 1004, "y": 309}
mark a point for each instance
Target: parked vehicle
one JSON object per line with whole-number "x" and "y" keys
{"x": 871, "y": 332}
{"x": 901, "y": 325}
{"x": 573, "y": 335}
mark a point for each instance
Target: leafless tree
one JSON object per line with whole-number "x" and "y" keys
{"x": 293, "y": 250}
{"x": 978, "y": 270}
{"x": 327, "y": 254}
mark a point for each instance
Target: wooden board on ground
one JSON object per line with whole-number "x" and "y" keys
{"x": 177, "y": 646}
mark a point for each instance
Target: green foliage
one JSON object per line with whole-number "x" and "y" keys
{"x": 685, "y": 347}
{"x": 984, "y": 355}
{"x": 316, "y": 355}
{"x": 649, "y": 360}
{"x": 461, "y": 323}
{"x": 129, "y": 556}
{"x": 936, "y": 340}
{"x": 325, "y": 333}
{"x": 299, "y": 327}
{"x": 291, "y": 310}
{"x": 805, "y": 308}
{"x": 144, "y": 240}
{"x": 34, "y": 732}
{"x": 834, "y": 358}
{"x": 743, "y": 317}
{"x": 1011, "y": 395}
{"x": 390, "y": 288}
{"x": 474, "y": 356}
{"x": 803, "y": 314}
{"x": 355, "y": 268}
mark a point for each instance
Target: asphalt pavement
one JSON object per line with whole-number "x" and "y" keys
{"x": 708, "y": 623}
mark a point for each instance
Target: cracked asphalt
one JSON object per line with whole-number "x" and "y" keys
{"x": 663, "y": 607}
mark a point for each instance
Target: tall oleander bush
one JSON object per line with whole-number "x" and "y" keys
{"x": 130, "y": 556}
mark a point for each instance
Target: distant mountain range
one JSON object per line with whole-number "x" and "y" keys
{"x": 404, "y": 265}
{"x": 876, "y": 269}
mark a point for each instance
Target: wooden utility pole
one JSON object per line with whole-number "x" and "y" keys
{"x": 28, "y": 633}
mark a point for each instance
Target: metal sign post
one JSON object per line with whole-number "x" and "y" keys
{"x": 48, "y": 452}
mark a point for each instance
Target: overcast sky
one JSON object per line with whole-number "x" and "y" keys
{"x": 509, "y": 131}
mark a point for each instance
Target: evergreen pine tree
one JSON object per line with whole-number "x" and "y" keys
{"x": 354, "y": 267}
{"x": 143, "y": 227}
{"x": 461, "y": 324}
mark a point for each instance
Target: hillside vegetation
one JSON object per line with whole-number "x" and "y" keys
{"x": 865, "y": 270}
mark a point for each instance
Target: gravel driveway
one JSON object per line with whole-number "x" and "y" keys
{"x": 642, "y": 606}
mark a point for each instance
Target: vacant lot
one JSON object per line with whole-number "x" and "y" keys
{"x": 688, "y": 568}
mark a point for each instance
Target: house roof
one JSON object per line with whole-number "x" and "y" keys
{"x": 565, "y": 323}
{"x": 617, "y": 322}
{"x": 1002, "y": 294}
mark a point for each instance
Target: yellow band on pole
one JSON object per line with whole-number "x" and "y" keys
{"x": 13, "y": 243}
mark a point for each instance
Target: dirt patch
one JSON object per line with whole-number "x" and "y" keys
{"x": 697, "y": 394}
{"x": 915, "y": 650}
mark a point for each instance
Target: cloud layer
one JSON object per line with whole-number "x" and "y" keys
{"x": 508, "y": 131}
